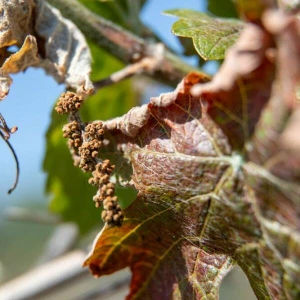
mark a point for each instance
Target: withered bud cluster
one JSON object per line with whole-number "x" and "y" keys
{"x": 84, "y": 143}
{"x": 88, "y": 151}
{"x": 68, "y": 102}
{"x": 72, "y": 131}
{"x": 94, "y": 131}
{"x": 112, "y": 213}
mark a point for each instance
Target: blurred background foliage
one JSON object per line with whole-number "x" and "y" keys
{"x": 68, "y": 195}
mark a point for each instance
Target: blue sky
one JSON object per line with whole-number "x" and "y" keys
{"x": 29, "y": 106}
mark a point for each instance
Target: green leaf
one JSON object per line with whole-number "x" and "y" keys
{"x": 224, "y": 8}
{"x": 211, "y": 36}
{"x": 71, "y": 193}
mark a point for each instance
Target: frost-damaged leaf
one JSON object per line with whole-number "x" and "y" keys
{"x": 46, "y": 40}
{"x": 67, "y": 55}
{"x": 181, "y": 166}
{"x": 211, "y": 36}
{"x": 15, "y": 28}
{"x": 17, "y": 62}
{"x": 207, "y": 196}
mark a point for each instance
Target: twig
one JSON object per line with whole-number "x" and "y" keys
{"x": 145, "y": 65}
{"x": 7, "y": 131}
{"x": 16, "y": 160}
{"x": 20, "y": 214}
{"x": 121, "y": 43}
{"x": 63, "y": 278}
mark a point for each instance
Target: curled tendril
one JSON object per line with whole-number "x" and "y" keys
{"x": 5, "y": 132}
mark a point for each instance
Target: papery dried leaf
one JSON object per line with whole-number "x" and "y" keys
{"x": 26, "y": 56}
{"x": 59, "y": 47}
{"x": 16, "y": 21}
{"x": 17, "y": 62}
{"x": 15, "y": 25}
{"x": 207, "y": 196}
{"x": 67, "y": 56}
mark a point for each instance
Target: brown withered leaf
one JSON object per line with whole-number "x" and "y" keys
{"x": 46, "y": 40}
{"x": 216, "y": 184}
{"x": 67, "y": 56}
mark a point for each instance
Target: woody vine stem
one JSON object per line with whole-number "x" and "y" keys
{"x": 124, "y": 45}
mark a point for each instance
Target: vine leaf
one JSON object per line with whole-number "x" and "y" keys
{"x": 207, "y": 197}
{"x": 46, "y": 40}
{"x": 211, "y": 36}
{"x": 17, "y": 62}
{"x": 67, "y": 55}
{"x": 163, "y": 265}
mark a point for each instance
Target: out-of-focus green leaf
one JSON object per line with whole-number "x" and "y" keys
{"x": 211, "y": 36}
{"x": 72, "y": 195}
{"x": 123, "y": 13}
{"x": 224, "y": 8}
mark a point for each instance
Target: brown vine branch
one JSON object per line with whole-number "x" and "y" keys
{"x": 121, "y": 43}
{"x": 20, "y": 214}
{"x": 146, "y": 65}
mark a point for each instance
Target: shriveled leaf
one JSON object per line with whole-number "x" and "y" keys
{"x": 67, "y": 56}
{"x": 212, "y": 190}
{"x": 46, "y": 40}
{"x": 26, "y": 56}
{"x": 16, "y": 21}
{"x": 211, "y": 36}
{"x": 67, "y": 184}
{"x": 15, "y": 25}
{"x": 17, "y": 62}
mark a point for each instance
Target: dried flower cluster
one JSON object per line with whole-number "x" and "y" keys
{"x": 72, "y": 131}
{"x": 84, "y": 143}
{"x": 112, "y": 213}
{"x": 68, "y": 102}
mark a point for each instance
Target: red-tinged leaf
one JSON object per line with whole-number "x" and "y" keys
{"x": 216, "y": 183}
{"x": 157, "y": 240}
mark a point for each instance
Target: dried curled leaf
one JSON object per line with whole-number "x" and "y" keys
{"x": 46, "y": 40}
{"x": 67, "y": 55}
{"x": 216, "y": 186}
{"x": 16, "y": 21}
